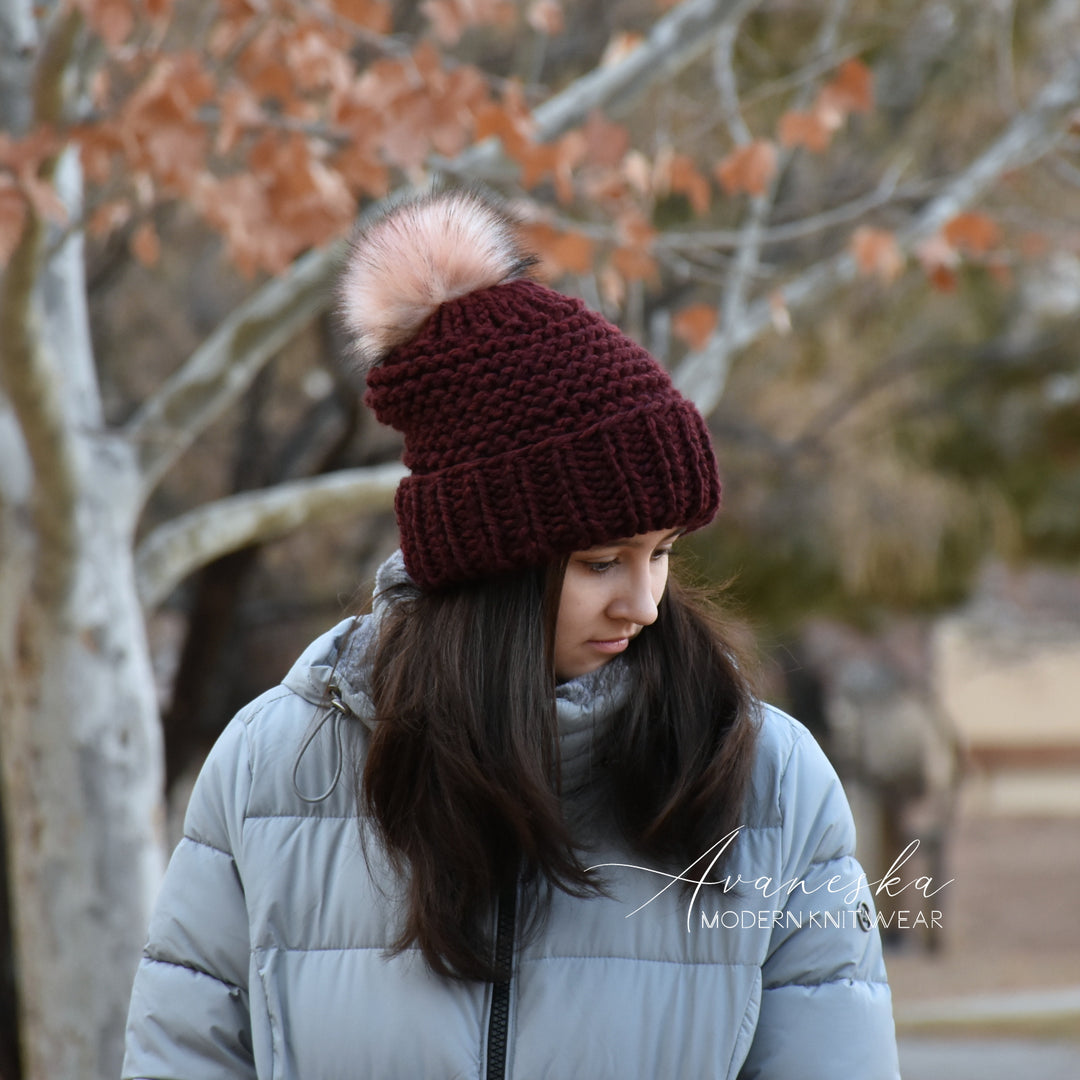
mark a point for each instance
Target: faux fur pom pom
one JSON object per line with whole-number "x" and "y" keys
{"x": 418, "y": 255}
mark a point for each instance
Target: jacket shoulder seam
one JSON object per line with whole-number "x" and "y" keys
{"x": 150, "y": 958}
{"x": 253, "y": 711}
{"x": 206, "y": 844}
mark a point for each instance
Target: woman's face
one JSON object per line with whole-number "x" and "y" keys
{"x": 609, "y": 594}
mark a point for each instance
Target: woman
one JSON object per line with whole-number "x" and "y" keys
{"x": 584, "y": 849}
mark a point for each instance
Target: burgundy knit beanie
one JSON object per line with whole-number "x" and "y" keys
{"x": 533, "y": 427}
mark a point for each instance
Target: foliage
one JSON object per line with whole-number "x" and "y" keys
{"x": 273, "y": 125}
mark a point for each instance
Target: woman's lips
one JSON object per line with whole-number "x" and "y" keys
{"x": 611, "y": 647}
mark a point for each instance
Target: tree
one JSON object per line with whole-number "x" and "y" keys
{"x": 725, "y": 217}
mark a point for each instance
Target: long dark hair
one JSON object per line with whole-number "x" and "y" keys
{"x": 461, "y": 780}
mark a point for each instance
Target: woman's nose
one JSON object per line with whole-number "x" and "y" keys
{"x": 635, "y": 602}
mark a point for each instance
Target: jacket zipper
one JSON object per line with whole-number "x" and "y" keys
{"x": 499, "y": 1019}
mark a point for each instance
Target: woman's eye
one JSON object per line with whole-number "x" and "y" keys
{"x": 661, "y": 553}
{"x": 600, "y": 565}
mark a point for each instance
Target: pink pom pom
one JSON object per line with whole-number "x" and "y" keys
{"x": 418, "y": 255}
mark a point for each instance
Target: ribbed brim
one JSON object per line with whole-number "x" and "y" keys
{"x": 640, "y": 471}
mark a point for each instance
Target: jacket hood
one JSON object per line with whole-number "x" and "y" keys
{"x": 337, "y": 665}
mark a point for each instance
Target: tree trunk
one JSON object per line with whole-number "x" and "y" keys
{"x": 79, "y": 731}
{"x": 81, "y": 777}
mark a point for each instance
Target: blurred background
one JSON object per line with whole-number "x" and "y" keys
{"x": 850, "y": 228}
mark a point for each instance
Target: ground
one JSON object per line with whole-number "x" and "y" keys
{"x": 1009, "y": 917}
{"x": 1002, "y": 996}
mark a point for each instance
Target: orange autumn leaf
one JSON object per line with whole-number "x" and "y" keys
{"x": 939, "y": 259}
{"x": 21, "y": 160}
{"x": 236, "y": 206}
{"x": 112, "y": 20}
{"x": 109, "y": 216}
{"x": 748, "y": 168}
{"x": 498, "y": 13}
{"x": 373, "y": 15}
{"x": 28, "y": 153}
{"x": 497, "y": 120}
{"x": 271, "y": 81}
{"x": 683, "y": 178}
{"x": 560, "y": 252}
{"x": 877, "y": 252}
{"x": 695, "y": 324}
{"x": 936, "y": 251}
{"x": 851, "y": 89}
{"x": 43, "y": 197}
{"x": 454, "y": 99}
{"x": 633, "y": 264}
{"x": 574, "y": 251}
{"x": 537, "y": 161}
{"x": 239, "y": 110}
{"x": 145, "y": 244}
{"x": 365, "y": 173}
{"x": 973, "y": 233}
{"x": 446, "y": 18}
{"x": 606, "y": 142}
{"x": 804, "y": 129}
{"x": 99, "y": 147}
{"x": 606, "y": 187}
{"x": 160, "y": 128}
{"x": 317, "y": 57}
{"x": 450, "y": 18}
{"x": 634, "y": 229}
{"x": 287, "y": 200}
{"x": 943, "y": 279}
{"x": 509, "y": 121}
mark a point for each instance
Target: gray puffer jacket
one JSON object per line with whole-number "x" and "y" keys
{"x": 266, "y": 951}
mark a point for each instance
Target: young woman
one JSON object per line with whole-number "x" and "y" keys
{"x": 525, "y": 819}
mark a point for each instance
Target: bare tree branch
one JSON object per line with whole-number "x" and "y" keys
{"x": 1029, "y": 137}
{"x": 1064, "y": 170}
{"x": 712, "y": 240}
{"x": 31, "y": 384}
{"x": 808, "y": 73}
{"x": 748, "y": 253}
{"x": 221, "y": 369}
{"x": 174, "y": 550}
{"x": 674, "y": 42}
{"x": 724, "y": 75}
{"x": 29, "y": 376}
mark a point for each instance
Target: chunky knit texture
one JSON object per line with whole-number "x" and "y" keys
{"x": 533, "y": 428}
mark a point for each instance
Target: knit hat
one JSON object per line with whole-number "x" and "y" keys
{"x": 533, "y": 427}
